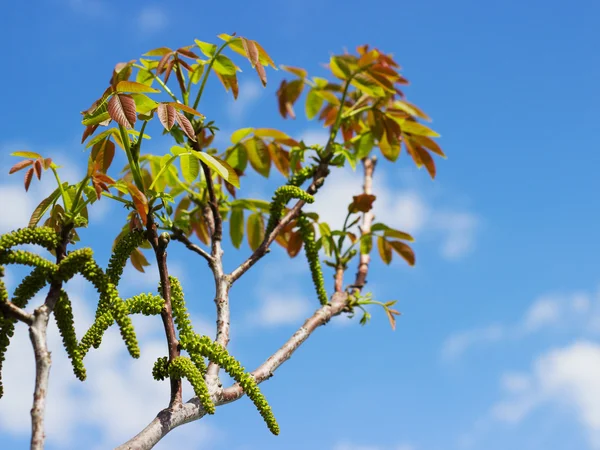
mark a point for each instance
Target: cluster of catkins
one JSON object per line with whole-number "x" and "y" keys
{"x": 194, "y": 368}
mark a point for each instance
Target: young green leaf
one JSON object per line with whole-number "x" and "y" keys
{"x": 255, "y": 230}
{"x": 221, "y": 167}
{"x": 134, "y": 87}
{"x": 190, "y": 167}
{"x": 236, "y": 226}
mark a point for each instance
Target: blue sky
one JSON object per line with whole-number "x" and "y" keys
{"x": 498, "y": 345}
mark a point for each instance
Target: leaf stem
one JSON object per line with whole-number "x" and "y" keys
{"x": 157, "y": 78}
{"x": 205, "y": 76}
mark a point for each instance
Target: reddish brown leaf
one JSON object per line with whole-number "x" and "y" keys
{"x": 229, "y": 82}
{"x": 187, "y": 53}
{"x": 166, "y": 115}
{"x": 108, "y": 155}
{"x": 138, "y": 260}
{"x": 28, "y": 177}
{"x": 102, "y": 177}
{"x": 260, "y": 70}
{"x": 185, "y": 125}
{"x": 47, "y": 163}
{"x": 362, "y": 203}
{"x": 140, "y": 201}
{"x": 426, "y": 159}
{"x": 404, "y": 251}
{"x": 163, "y": 61}
{"x": 89, "y": 130}
{"x": 429, "y": 144}
{"x": 37, "y": 168}
{"x": 294, "y": 244}
{"x": 201, "y": 230}
{"x": 20, "y": 165}
{"x": 181, "y": 62}
{"x": 168, "y": 70}
{"x": 251, "y": 51}
{"x": 281, "y": 99}
{"x": 121, "y": 108}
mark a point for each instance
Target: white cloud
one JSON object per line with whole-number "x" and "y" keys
{"x": 458, "y": 343}
{"x": 17, "y": 207}
{"x": 281, "y": 308}
{"x": 250, "y": 92}
{"x": 152, "y": 19}
{"x": 567, "y": 377}
{"x": 405, "y": 209}
{"x": 561, "y": 312}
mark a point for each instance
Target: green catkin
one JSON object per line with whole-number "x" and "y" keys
{"x": 110, "y": 301}
{"x": 95, "y": 333}
{"x": 183, "y": 367}
{"x": 160, "y": 369}
{"x": 121, "y": 253}
{"x": 146, "y": 304}
{"x": 182, "y": 320}
{"x": 30, "y": 286}
{"x": 27, "y": 259}
{"x": 312, "y": 255}
{"x": 203, "y": 345}
{"x": 73, "y": 262}
{"x": 302, "y": 175}
{"x": 63, "y": 313}
{"x": 180, "y": 315}
{"x": 283, "y": 195}
{"x": 44, "y": 236}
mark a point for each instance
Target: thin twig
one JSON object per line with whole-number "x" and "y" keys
{"x": 178, "y": 235}
{"x": 9, "y": 309}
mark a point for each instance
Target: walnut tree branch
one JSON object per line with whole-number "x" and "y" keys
{"x": 178, "y": 235}
{"x": 38, "y": 335}
{"x": 9, "y": 309}
{"x": 159, "y": 244}
{"x": 365, "y": 228}
{"x": 167, "y": 420}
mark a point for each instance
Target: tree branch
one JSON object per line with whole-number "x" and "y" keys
{"x": 160, "y": 250}
{"x": 9, "y": 309}
{"x": 365, "y": 228}
{"x": 43, "y": 361}
{"x": 168, "y": 419}
{"x": 178, "y": 235}
{"x": 318, "y": 180}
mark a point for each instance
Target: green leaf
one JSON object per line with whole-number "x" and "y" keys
{"x": 385, "y": 249}
{"x": 327, "y": 95}
{"x": 143, "y": 103}
{"x": 324, "y": 229}
{"x": 240, "y": 134}
{"x": 134, "y": 87}
{"x": 197, "y": 71}
{"x": 258, "y": 154}
{"x": 221, "y": 167}
{"x": 206, "y": 48}
{"x": 366, "y": 244}
{"x": 398, "y": 235}
{"x": 162, "y": 51}
{"x": 26, "y": 154}
{"x": 237, "y": 157}
{"x": 314, "y": 102}
{"x": 364, "y": 145}
{"x": 190, "y": 167}
{"x": 255, "y": 230}
{"x": 339, "y": 68}
{"x": 144, "y": 77}
{"x": 103, "y": 135}
{"x": 416, "y": 128}
{"x": 44, "y": 205}
{"x": 166, "y": 161}
{"x": 236, "y": 226}
{"x": 224, "y": 66}
{"x": 367, "y": 85}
